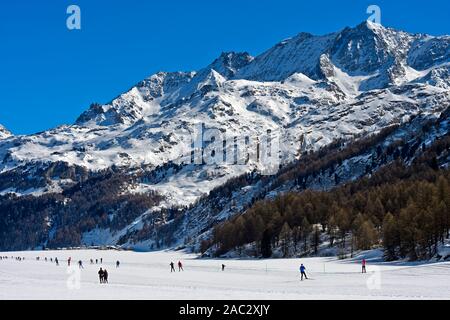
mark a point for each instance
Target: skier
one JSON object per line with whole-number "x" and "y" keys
{"x": 303, "y": 272}
{"x": 105, "y": 276}
{"x": 172, "y": 267}
{"x": 364, "y": 266}
{"x": 223, "y": 267}
{"x": 101, "y": 260}
{"x": 68, "y": 261}
{"x": 96, "y": 261}
{"x": 180, "y": 266}
{"x": 92, "y": 261}
{"x": 80, "y": 264}
{"x": 101, "y": 275}
{"x": 117, "y": 263}
{"x": 57, "y": 262}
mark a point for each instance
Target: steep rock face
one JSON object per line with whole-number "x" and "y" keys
{"x": 230, "y": 62}
{"x": 141, "y": 100}
{"x": 369, "y": 47}
{"x": 4, "y": 133}
{"x": 428, "y": 51}
{"x": 300, "y": 54}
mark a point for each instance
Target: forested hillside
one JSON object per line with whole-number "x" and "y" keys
{"x": 404, "y": 209}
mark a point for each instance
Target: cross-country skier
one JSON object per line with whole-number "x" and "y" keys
{"x": 68, "y": 261}
{"x": 80, "y": 264}
{"x": 303, "y": 272}
{"x": 105, "y": 276}
{"x": 57, "y": 262}
{"x": 101, "y": 275}
{"x": 101, "y": 260}
{"x": 117, "y": 263}
{"x": 223, "y": 267}
{"x": 180, "y": 266}
{"x": 172, "y": 267}
{"x": 364, "y": 266}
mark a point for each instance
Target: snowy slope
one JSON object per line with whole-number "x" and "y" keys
{"x": 4, "y": 133}
{"x": 147, "y": 276}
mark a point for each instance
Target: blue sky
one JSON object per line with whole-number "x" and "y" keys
{"x": 49, "y": 74}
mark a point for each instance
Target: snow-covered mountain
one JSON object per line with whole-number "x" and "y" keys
{"x": 308, "y": 90}
{"x": 4, "y": 133}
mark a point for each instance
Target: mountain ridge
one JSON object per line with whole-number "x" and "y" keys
{"x": 309, "y": 91}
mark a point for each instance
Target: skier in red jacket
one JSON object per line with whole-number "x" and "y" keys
{"x": 364, "y": 266}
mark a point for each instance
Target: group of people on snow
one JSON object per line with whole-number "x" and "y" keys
{"x": 172, "y": 267}
{"x": 15, "y": 258}
{"x": 303, "y": 269}
{"x": 103, "y": 275}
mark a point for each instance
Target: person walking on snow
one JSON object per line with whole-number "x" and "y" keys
{"x": 172, "y": 267}
{"x": 303, "y": 272}
{"x": 364, "y": 266}
{"x": 100, "y": 275}
{"x": 180, "y": 266}
{"x": 105, "y": 276}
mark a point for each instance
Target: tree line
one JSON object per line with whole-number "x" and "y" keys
{"x": 403, "y": 208}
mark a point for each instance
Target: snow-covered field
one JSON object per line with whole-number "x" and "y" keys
{"x": 147, "y": 276}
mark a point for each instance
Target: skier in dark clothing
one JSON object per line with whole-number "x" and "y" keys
{"x": 223, "y": 267}
{"x": 101, "y": 260}
{"x": 303, "y": 272}
{"x": 105, "y": 276}
{"x": 96, "y": 261}
{"x": 101, "y": 274}
{"x": 172, "y": 267}
{"x": 80, "y": 264}
{"x": 57, "y": 262}
{"x": 180, "y": 266}
{"x": 117, "y": 263}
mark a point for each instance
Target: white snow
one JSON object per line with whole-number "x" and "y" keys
{"x": 147, "y": 276}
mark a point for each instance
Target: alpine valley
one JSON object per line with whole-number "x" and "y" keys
{"x": 362, "y": 117}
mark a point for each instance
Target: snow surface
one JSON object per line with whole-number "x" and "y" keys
{"x": 147, "y": 276}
